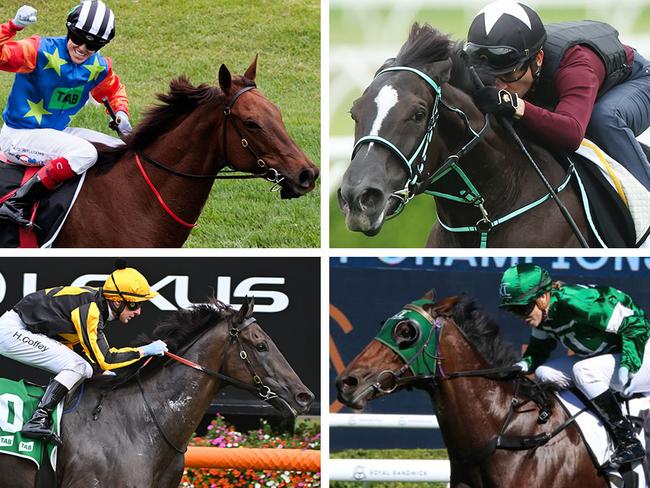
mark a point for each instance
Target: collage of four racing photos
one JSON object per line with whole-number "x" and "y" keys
{"x": 196, "y": 311}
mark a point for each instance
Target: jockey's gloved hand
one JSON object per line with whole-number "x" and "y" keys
{"x": 108, "y": 372}
{"x": 522, "y": 365}
{"x": 25, "y": 16}
{"x": 624, "y": 377}
{"x": 123, "y": 124}
{"x": 490, "y": 100}
{"x": 156, "y": 348}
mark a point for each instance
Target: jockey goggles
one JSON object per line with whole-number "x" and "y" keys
{"x": 90, "y": 45}
{"x": 521, "y": 310}
{"x": 500, "y": 59}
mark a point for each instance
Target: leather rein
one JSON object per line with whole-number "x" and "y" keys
{"x": 270, "y": 174}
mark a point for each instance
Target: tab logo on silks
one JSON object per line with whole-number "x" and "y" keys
{"x": 26, "y": 446}
{"x": 6, "y": 440}
{"x": 63, "y": 98}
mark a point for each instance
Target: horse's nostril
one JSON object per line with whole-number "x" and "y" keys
{"x": 370, "y": 198}
{"x": 306, "y": 178}
{"x": 348, "y": 383}
{"x": 304, "y": 398}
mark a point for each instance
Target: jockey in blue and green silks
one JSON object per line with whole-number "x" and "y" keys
{"x": 55, "y": 76}
{"x": 602, "y": 326}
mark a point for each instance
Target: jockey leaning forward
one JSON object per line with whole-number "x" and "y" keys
{"x": 54, "y": 78}
{"x": 562, "y": 81}
{"x": 602, "y": 326}
{"x": 42, "y": 328}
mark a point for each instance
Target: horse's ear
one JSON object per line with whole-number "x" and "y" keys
{"x": 246, "y": 310}
{"x": 430, "y": 295}
{"x": 225, "y": 79}
{"x": 251, "y": 72}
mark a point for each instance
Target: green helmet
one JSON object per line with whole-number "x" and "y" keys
{"x": 523, "y": 283}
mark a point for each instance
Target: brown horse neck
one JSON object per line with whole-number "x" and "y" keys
{"x": 470, "y": 410}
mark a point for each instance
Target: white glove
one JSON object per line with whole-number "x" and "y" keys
{"x": 108, "y": 372}
{"x": 523, "y": 365}
{"x": 155, "y": 348}
{"x": 25, "y": 16}
{"x": 123, "y": 123}
{"x": 625, "y": 377}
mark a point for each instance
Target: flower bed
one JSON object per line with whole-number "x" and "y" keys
{"x": 219, "y": 434}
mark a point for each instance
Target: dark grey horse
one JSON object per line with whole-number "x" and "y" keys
{"x": 397, "y": 109}
{"x": 124, "y": 447}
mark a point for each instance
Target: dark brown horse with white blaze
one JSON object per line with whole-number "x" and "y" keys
{"x": 146, "y": 420}
{"x": 471, "y": 411}
{"x": 398, "y": 107}
{"x": 193, "y": 134}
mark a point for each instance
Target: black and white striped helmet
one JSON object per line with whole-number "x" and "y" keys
{"x": 93, "y": 22}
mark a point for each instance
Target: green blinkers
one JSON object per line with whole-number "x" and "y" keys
{"x": 410, "y": 334}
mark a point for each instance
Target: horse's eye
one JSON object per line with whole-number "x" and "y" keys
{"x": 251, "y": 125}
{"x": 419, "y": 116}
{"x": 262, "y": 347}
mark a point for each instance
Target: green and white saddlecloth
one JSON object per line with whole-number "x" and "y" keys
{"x": 17, "y": 403}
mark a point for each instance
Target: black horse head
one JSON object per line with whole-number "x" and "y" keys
{"x": 397, "y": 107}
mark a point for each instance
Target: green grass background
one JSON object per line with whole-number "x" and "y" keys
{"x": 157, "y": 40}
{"x": 411, "y": 228}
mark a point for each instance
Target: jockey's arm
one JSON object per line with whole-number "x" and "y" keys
{"x": 113, "y": 89}
{"x": 17, "y": 56}
{"x": 577, "y": 81}
{"x": 634, "y": 332}
{"x": 613, "y": 311}
{"x": 89, "y": 325}
{"x": 539, "y": 348}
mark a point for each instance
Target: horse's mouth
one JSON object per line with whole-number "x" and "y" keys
{"x": 298, "y": 186}
{"x": 357, "y": 396}
{"x": 287, "y": 408}
{"x": 368, "y": 221}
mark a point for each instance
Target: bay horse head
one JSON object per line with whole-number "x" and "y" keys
{"x": 260, "y": 137}
{"x": 419, "y": 345}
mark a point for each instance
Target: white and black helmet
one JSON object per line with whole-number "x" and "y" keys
{"x": 503, "y": 35}
{"x": 91, "y": 23}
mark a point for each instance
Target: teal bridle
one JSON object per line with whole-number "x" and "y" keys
{"x": 414, "y": 165}
{"x": 442, "y": 183}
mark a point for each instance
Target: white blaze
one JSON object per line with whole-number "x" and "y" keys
{"x": 385, "y": 100}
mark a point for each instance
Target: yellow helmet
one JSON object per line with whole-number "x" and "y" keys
{"x": 129, "y": 285}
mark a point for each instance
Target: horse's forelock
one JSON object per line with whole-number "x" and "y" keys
{"x": 424, "y": 45}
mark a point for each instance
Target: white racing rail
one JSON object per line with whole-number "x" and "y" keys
{"x": 371, "y": 470}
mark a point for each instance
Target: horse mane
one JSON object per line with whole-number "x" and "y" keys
{"x": 184, "y": 325}
{"x": 426, "y": 45}
{"x": 480, "y": 329}
{"x": 183, "y": 97}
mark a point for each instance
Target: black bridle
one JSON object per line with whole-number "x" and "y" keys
{"x": 268, "y": 173}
